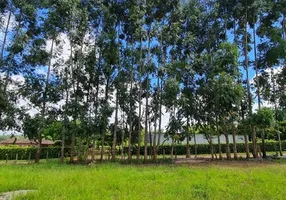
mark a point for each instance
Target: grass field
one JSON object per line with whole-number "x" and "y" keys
{"x": 215, "y": 180}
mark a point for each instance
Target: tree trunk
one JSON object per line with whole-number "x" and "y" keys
{"x": 113, "y": 150}
{"x": 12, "y": 56}
{"x": 79, "y": 150}
{"x": 212, "y": 149}
{"x": 122, "y": 137}
{"x": 43, "y": 111}
{"x": 72, "y": 148}
{"x": 234, "y": 143}
{"x": 188, "y": 150}
{"x": 246, "y": 64}
{"x": 102, "y": 147}
{"x": 38, "y": 153}
{"x": 247, "y": 145}
{"x": 130, "y": 121}
{"x": 280, "y": 145}
{"x": 263, "y": 143}
{"x": 5, "y": 36}
{"x": 219, "y": 147}
{"x": 63, "y": 147}
{"x": 140, "y": 103}
{"x": 150, "y": 138}
{"x": 93, "y": 150}
{"x": 254, "y": 143}
{"x": 160, "y": 117}
{"x": 196, "y": 147}
{"x": 228, "y": 156}
{"x": 256, "y": 68}
{"x": 146, "y": 122}
{"x": 172, "y": 149}
{"x": 154, "y": 140}
{"x": 96, "y": 110}
{"x": 87, "y": 149}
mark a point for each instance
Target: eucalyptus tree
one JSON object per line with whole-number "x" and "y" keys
{"x": 170, "y": 96}
{"x": 19, "y": 31}
{"x": 263, "y": 119}
{"x": 272, "y": 53}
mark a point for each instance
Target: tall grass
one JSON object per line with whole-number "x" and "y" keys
{"x": 114, "y": 181}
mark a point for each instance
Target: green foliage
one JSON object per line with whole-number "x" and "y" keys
{"x": 24, "y": 152}
{"x": 264, "y": 118}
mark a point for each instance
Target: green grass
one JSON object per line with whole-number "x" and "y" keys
{"x": 219, "y": 180}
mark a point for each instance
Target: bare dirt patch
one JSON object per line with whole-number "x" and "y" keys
{"x": 11, "y": 195}
{"x": 201, "y": 162}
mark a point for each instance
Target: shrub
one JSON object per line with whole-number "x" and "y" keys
{"x": 25, "y": 152}
{"x": 180, "y": 149}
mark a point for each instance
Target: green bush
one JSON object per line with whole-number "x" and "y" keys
{"x": 24, "y": 152}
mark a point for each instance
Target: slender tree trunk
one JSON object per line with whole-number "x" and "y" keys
{"x": 246, "y": 145}
{"x": 79, "y": 150}
{"x": 254, "y": 143}
{"x": 87, "y": 149}
{"x": 122, "y": 145}
{"x": 228, "y": 156}
{"x": 256, "y": 68}
{"x": 96, "y": 110}
{"x": 263, "y": 143}
{"x": 12, "y": 56}
{"x": 146, "y": 121}
{"x": 246, "y": 64}
{"x": 172, "y": 149}
{"x": 74, "y": 120}
{"x": 93, "y": 150}
{"x": 154, "y": 141}
{"x": 5, "y": 36}
{"x": 218, "y": 139}
{"x": 102, "y": 147}
{"x": 43, "y": 112}
{"x": 65, "y": 128}
{"x": 103, "y": 131}
{"x": 63, "y": 147}
{"x": 280, "y": 145}
{"x": 234, "y": 143}
{"x": 196, "y": 147}
{"x": 139, "y": 102}
{"x": 130, "y": 121}
{"x": 188, "y": 150}
{"x": 122, "y": 137}
{"x": 150, "y": 138}
{"x": 212, "y": 149}
{"x": 160, "y": 117}
{"x": 219, "y": 147}
{"x": 72, "y": 148}
{"x": 113, "y": 151}
{"x": 38, "y": 152}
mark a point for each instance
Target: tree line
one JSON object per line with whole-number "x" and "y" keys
{"x": 85, "y": 62}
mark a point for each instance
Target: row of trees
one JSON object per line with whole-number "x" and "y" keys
{"x": 85, "y": 62}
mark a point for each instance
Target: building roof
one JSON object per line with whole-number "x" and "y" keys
{"x": 24, "y": 142}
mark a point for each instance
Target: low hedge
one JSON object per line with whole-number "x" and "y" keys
{"x": 10, "y": 152}
{"x": 180, "y": 149}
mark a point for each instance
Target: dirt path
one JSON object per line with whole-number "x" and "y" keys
{"x": 259, "y": 162}
{"x": 11, "y": 195}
